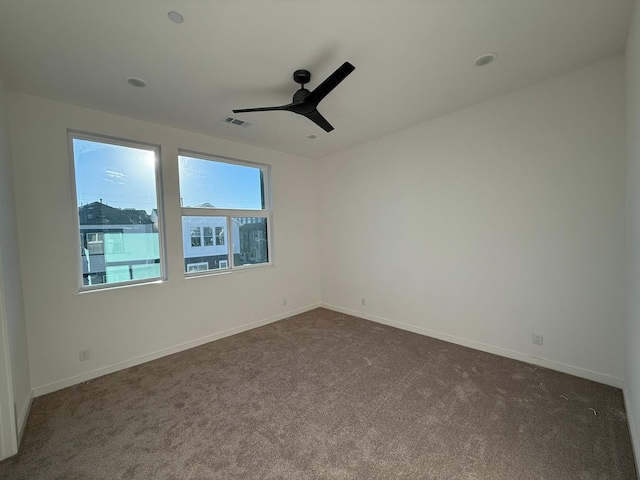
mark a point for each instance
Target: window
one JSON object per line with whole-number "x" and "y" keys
{"x": 253, "y": 240}
{"x": 116, "y": 197}
{"x": 207, "y": 236}
{"x": 226, "y": 207}
{"x": 95, "y": 243}
{"x": 195, "y": 237}
{"x": 94, "y": 237}
{"x": 219, "y": 235}
{"x": 206, "y": 240}
{"x": 197, "y": 267}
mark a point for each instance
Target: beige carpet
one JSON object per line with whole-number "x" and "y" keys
{"x": 327, "y": 396}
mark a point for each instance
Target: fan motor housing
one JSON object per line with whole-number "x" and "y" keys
{"x": 301, "y": 76}
{"x": 300, "y": 95}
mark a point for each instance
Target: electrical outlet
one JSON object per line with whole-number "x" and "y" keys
{"x": 84, "y": 354}
{"x": 537, "y": 338}
{"x": 284, "y": 302}
{"x": 362, "y": 302}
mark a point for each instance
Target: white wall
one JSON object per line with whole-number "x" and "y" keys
{"x": 488, "y": 224}
{"x": 632, "y": 378}
{"x": 12, "y": 320}
{"x": 125, "y": 326}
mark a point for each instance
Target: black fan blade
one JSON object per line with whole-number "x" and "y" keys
{"x": 331, "y": 82}
{"x": 319, "y": 120}
{"x": 263, "y": 109}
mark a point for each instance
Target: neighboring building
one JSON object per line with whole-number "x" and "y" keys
{"x": 205, "y": 243}
{"x": 253, "y": 242}
{"x": 117, "y": 244}
{"x": 123, "y": 244}
{"x": 154, "y": 220}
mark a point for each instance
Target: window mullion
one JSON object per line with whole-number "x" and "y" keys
{"x": 230, "y": 243}
{"x": 222, "y": 212}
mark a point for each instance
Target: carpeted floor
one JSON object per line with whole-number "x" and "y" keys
{"x": 327, "y": 396}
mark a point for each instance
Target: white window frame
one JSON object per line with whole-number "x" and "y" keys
{"x": 230, "y": 213}
{"x": 99, "y": 237}
{"x": 198, "y": 265}
{"x": 94, "y": 137}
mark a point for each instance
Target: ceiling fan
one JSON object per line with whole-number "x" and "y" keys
{"x": 305, "y": 102}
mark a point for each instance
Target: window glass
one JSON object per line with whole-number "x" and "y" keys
{"x": 224, "y": 214}
{"x": 252, "y": 239}
{"x": 113, "y": 243}
{"x": 207, "y": 236}
{"x": 117, "y": 199}
{"x": 203, "y": 255}
{"x": 195, "y": 237}
{"x": 219, "y": 235}
{"x": 213, "y": 184}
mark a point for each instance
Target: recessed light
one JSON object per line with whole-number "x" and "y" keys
{"x": 175, "y": 17}
{"x": 485, "y": 59}
{"x": 136, "y": 82}
{"x": 312, "y": 136}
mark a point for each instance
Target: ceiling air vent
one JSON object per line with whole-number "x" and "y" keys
{"x": 237, "y": 121}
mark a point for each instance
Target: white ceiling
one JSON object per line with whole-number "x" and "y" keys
{"x": 414, "y": 59}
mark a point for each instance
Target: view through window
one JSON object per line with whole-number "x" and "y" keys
{"x": 225, "y": 212}
{"x": 118, "y": 220}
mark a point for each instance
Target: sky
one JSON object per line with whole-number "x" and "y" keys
{"x": 124, "y": 177}
{"x": 223, "y": 185}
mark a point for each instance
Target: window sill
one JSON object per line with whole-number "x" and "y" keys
{"x": 121, "y": 286}
{"x": 213, "y": 273}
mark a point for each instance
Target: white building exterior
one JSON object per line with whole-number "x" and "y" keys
{"x": 205, "y": 242}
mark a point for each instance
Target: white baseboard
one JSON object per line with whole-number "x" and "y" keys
{"x": 21, "y": 420}
{"x": 67, "y": 382}
{"x": 633, "y": 432}
{"x": 523, "y": 357}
